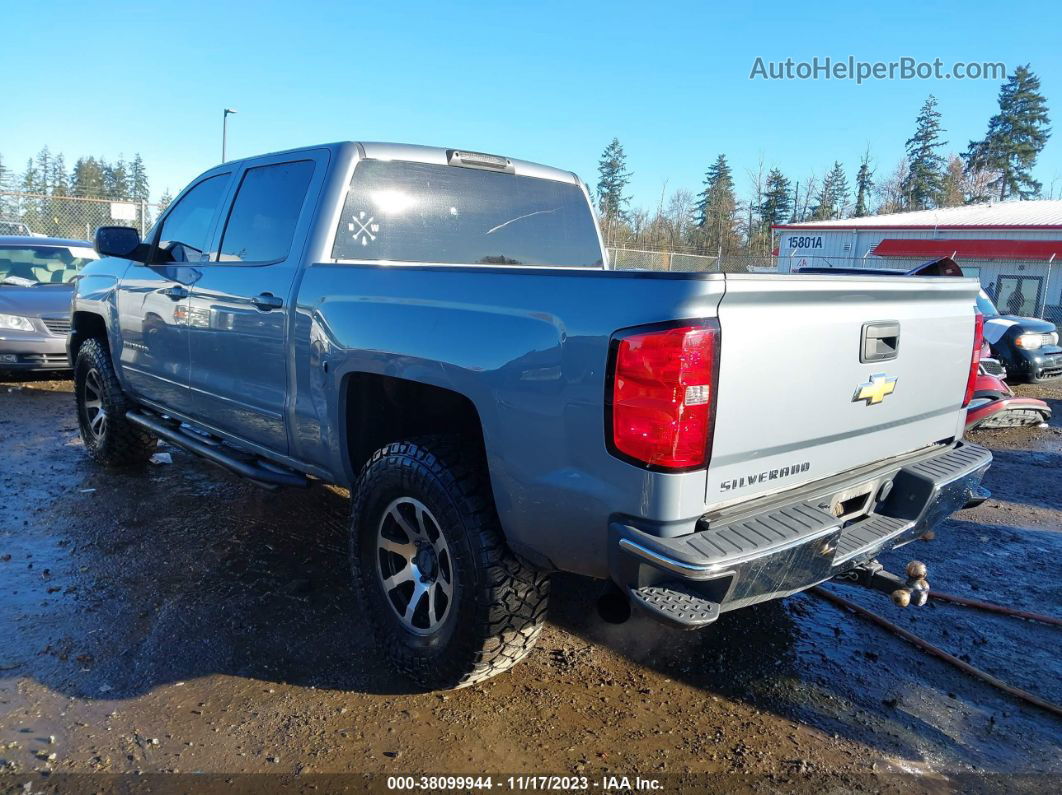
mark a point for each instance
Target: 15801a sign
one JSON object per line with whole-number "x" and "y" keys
{"x": 807, "y": 241}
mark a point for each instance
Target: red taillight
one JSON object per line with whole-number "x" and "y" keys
{"x": 975, "y": 359}
{"x": 663, "y": 396}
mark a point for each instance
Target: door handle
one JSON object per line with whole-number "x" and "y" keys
{"x": 879, "y": 341}
{"x": 267, "y": 301}
{"x": 176, "y": 293}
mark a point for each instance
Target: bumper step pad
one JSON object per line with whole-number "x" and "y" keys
{"x": 866, "y": 535}
{"x": 675, "y": 604}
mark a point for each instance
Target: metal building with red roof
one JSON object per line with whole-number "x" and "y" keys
{"x": 1008, "y": 245}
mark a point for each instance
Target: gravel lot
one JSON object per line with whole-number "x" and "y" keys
{"x": 179, "y": 619}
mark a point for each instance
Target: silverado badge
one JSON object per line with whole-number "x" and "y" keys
{"x": 875, "y": 390}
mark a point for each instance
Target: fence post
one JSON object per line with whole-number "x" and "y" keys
{"x": 1047, "y": 287}
{"x": 143, "y": 217}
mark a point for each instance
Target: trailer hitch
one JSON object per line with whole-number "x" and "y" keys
{"x": 914, "y": 590}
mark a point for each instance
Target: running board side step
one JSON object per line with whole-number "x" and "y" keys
{"x": 264, "y": 476}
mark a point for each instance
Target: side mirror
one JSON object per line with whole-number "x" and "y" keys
{"x": 119, "y": 241}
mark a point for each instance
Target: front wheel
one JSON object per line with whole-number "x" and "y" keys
{"x": 449, "y": 602}
{"x": 101, "y": 405}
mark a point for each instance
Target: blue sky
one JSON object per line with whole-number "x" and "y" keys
{"x": 545, "y": 81}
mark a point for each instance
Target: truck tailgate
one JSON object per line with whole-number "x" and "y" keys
{"x": 795, "y": 402}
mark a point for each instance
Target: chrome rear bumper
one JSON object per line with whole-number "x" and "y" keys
{"x": 794, "y": 546}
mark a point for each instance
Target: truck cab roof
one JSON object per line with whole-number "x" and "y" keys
{"x": 440, "y": 155}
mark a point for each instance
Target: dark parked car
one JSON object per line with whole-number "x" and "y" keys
{"x": 36, "y": 285}
{"x": 1026, "y": 346}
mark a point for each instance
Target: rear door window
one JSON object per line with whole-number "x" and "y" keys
{"x": 399, "y": 211}
{"x": 265, "y": 213}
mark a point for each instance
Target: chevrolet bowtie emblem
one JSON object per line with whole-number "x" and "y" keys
{"x": 875, "y": 390}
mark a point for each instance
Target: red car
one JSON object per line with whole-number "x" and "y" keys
{"x": 994, "y": 405}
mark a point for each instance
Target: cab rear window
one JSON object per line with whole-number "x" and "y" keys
{"x": 399, "y": 211}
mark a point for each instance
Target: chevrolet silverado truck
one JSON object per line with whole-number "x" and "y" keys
{"x": 439, "y": 331}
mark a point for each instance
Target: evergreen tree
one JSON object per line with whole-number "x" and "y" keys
{"x": 952, "y": 192}
{"x": 138, "y": 180}
{"x": 776, "y": 204}
{"x": 1016, "y": 136}
{"x": 7, "y": 204}
{"x": 839, "y": 187}
{"x": 115, "y": 180}
{"x": 164, "y": 200}
{"x": 32, "y": 210}
{"x": 832, "y": 197}
{"x": 925, "y": 176}
{"x": 823, "y": 209}
{"x": 58, "y": 181}
{"x": 42, "y": 170}
{"x": 613, "y": 178}
{"x": 31, "y": 181}
{"x": 864, "y": 186}
{"x": 87, "y": 179}
{"x": 717, "y": 209}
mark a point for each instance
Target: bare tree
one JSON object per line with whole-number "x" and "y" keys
{"x": 679, "y": 217}
{"x": 757, "y": 235}
{"x": 802, "y": 204}
{"x": 952, "y": 192}
{"x": 891, "y": 195}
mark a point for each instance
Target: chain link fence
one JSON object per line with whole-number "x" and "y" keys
{"x": 642, "y": 260}
{"x": 70, "y": 216}
{"x": 1028, "y": 288}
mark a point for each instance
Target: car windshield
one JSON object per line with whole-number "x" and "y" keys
{"x": 30, "y": 265}
{"x": 985, "y": 305}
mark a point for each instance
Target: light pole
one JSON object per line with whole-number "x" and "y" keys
{"x": 225, "y": 130}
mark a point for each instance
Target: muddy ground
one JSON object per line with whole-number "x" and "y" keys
{"x": 180, "y": 619}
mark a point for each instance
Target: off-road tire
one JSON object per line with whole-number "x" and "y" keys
{"x": 499, "y": 602}
{"x": 121, "y": 443}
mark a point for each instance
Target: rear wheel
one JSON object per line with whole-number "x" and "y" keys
{"x": 449, "y": 602}
{"x": 101, "y": 405}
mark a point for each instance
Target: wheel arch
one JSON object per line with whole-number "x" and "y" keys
{"x": 376, "y": 409}
{"x": 83, "y": 326}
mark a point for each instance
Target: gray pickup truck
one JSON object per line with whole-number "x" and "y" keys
{"x": 439, "y": 331}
